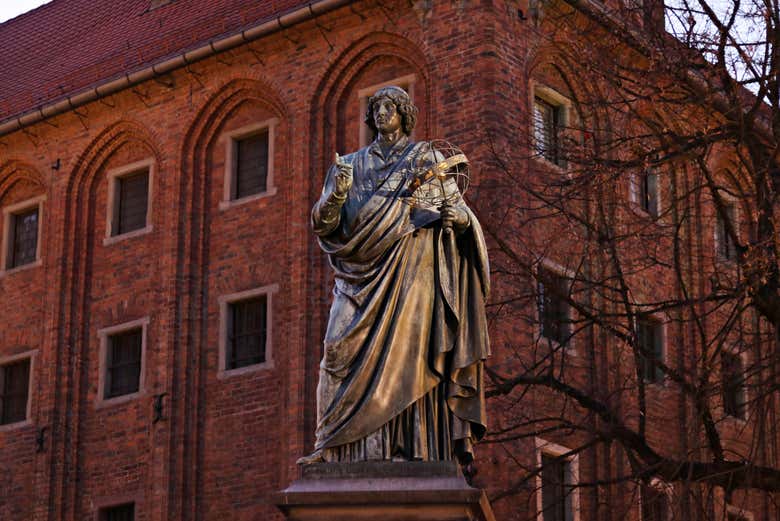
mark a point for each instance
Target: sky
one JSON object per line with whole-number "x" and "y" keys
{"x": 12, "y": 8}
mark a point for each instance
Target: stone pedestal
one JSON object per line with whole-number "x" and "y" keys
{"x": 383, "y": 491}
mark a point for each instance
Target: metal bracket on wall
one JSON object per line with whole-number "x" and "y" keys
{"x": 158, "y": 407}
{"x": 40, "y": 440}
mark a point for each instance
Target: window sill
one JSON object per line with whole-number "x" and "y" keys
{"x": 23, "y": 267}
{"x": 248, "y": 369}
{"x": 734, "y": 420}
{"x": 569, "y": 349}
{"x": 103, "y": 403}
{"x": 15, "y": 425}
{"x": 108, "y": 241}
{"x": 546, "y": 163}
{"x": 226, "y": 205}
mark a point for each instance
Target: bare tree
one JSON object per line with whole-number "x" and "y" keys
{"x": 637, "y": 261}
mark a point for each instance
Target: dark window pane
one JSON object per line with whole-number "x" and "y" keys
{"x": 546, "y": 130}
{"x": 648, "y": 192}
{"x": 732, "y": 379}
{"x": 556, "y": 501}
{"x": 251, "y": 165}
{"x": 650, "y": 343}
{"x": 132, "y": 202}
{"x": 123, "y": 363}
{"x": 726, "y": 247}
{"x": 15, "y": 379}
{"x": 553, "y": 308}
{"x": 118, "y": 513}
{"x": 247, "y": 332}
{"x": 654, "y": 504}
{"x": 24, "y": 238}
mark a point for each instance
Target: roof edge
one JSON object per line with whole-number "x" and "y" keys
{"x": 129, "y": 79}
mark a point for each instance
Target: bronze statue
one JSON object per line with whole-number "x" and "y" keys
{"x": 401, "y": 375}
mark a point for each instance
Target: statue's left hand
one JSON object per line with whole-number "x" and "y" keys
{"x": 454, "y": 216}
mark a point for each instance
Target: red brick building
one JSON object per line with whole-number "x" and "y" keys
{"x": 137, "y": 254}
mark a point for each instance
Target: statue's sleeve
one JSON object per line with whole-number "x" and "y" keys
{"x": 326, "y": 214}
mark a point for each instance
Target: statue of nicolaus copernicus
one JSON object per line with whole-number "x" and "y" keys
{"x": 401, "y": 375}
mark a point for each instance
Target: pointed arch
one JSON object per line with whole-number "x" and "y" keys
{"x": 326, "y": 134}
{"x": 192, "y": 253}
{"x": 14, "y": 171}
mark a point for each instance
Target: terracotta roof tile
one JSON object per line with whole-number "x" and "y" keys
{"x": 67, "y": 45}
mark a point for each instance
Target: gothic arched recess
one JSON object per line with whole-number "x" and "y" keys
{"x": 200, "y": 221}
{"x": 78, "y": 239}
{"x": 335, "y": 119}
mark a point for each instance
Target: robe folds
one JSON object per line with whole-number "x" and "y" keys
{"x": 401, "y": 373}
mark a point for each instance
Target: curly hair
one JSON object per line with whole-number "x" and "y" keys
{"x": 403, "y": 104}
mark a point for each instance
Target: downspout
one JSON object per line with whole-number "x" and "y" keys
{"x": 213, "y": 47}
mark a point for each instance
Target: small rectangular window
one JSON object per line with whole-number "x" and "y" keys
{"x": 14, "y": 390}
{"x": 251, "y": 165}
{"x": 733, "y": 385}
{"x": 553, "y": 308}
{"x": 131, "y": 202}
{"x": 648, "y": 192}
{"x": 123, "y": 363}
{"x": 547, "y": 121}
{"x": 556, "y": 489}
{"x": 23, "y": 238}
{"x": 727, "y": 249}
{"x": 654, "y": 504}
{"x": 124, "y": 512}
{"x": 650, "y": 343}
{"x": 247, "y": 330}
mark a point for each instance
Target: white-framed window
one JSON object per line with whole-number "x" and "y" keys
{"x": 553, "y": 312}
{"x": 129, "y": 206}
{"x": 245, "y": 320}
{"x": 122, "y": 367}
{"x": 22, "y": 229}
{"x": 735, "y": 513}
{"x": 651, "y": 341}
{"x": 557, "y": 493}
{"x": 550, "y": 113}
{"x": 249, "y": 163}
{"x": 121, "y": 512}
{"x": 405, "y": 82}
{"x": 654, "y": 501}
{"x": 733, "y": 384}
{"x": 645, "y": 192}
{"x": 725, "y": 246}
{"x": 16, "y": 374}
{"x": 122, "y": 507}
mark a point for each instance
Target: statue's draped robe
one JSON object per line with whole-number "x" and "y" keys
{"x": 401, "y": 375}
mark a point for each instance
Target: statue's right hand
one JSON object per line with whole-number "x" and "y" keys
{"x": 343, "y": 177}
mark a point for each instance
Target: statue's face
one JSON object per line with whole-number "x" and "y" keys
{"x": 386, "y": 116}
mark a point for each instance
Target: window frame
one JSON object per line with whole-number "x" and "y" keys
{"x": 30, "y": 355}
{"x": 224, "y": 302}
{"x": 563, "y": 114}
{"x": 717, "y": 225}
{"x": 544, "y": 447}
{"x": 9, "y": 213}
{"x": 103, "y": 504}
{"x": 568, "y": 276}
{"x": 661, "y": 322}
{"x": 406, "y": 82}
{"x": 740, "y": 513}
{"x": 230, "y": 141}
{"x": 636, "y": 193}
{"x": 113, "y": 176}
{"x": 104, "y": 335}
{"x": 662, "y": 488}
{"x": 741, "y": 356}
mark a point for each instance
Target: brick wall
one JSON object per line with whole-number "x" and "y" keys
{"x": 225, "y": 443}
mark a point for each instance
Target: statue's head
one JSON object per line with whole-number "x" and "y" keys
{"x": 403, "y": 104}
